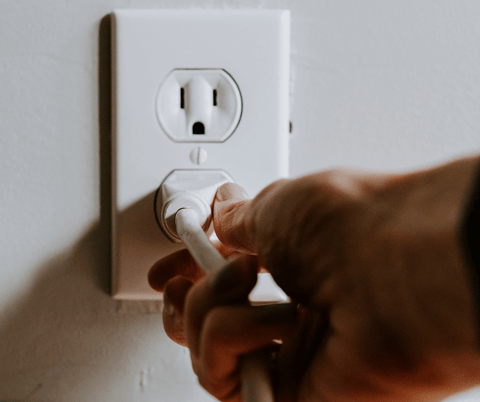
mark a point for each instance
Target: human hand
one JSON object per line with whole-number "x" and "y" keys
{"x": 376, "y": 263}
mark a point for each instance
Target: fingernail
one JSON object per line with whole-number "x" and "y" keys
{"x": 167, "y": 306}
{"x": 226, "y": 280}
{"x": 231, "y": 190}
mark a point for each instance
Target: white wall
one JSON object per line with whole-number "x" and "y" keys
{"x": 376, "y": 84}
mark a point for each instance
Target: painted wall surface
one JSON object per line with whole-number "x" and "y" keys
{"x": 375, "y": 84}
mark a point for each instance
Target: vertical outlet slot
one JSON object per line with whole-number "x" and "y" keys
{"x": 182, "y": 98}
{"x": 214, "y": 97}
{"x": 198, "y": 128}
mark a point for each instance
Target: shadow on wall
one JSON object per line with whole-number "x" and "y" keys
{"x": 68, "y": 340}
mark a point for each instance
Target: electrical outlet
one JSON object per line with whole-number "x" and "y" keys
{"x": 238, "y": 59}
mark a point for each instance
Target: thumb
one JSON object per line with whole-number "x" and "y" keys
{"x": 230, "y": 209}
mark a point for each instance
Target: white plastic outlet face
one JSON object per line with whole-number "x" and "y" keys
{"x": 244, "y": 56}
{"x": 199, "y": 105}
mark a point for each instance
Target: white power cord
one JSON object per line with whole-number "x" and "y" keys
{"x": 256, "y": 385}
{"x": 192, "y": 234}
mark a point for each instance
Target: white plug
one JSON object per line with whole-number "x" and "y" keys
{"x": 194, "y": 189}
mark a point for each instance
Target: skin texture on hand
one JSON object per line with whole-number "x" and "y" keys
{"x": 375, "y": 261}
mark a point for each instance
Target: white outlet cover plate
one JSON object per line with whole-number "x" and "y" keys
{"x": 253, "y": 46}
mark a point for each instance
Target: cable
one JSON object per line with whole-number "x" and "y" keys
{"x": 203, "y": 252}
{"x": 256, "y": 386}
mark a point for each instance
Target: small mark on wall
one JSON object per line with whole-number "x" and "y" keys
{"x": 144, "y": 378}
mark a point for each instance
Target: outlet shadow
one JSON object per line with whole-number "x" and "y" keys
{"x": 105, "y": 139}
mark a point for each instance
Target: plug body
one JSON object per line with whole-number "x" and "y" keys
{"x": 194, "y": 189}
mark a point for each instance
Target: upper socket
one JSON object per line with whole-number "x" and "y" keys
{"x": 199, "y": 105}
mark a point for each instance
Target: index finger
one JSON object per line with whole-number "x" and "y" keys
{"x": 229, "y": 210}
{"x": 233, "y": 215}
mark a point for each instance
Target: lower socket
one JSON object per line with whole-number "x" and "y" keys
{"x": 193, "y": 189}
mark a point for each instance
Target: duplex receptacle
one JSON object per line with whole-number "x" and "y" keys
{"x": 199, "y": 105}
{"x": 202, "y": 91}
